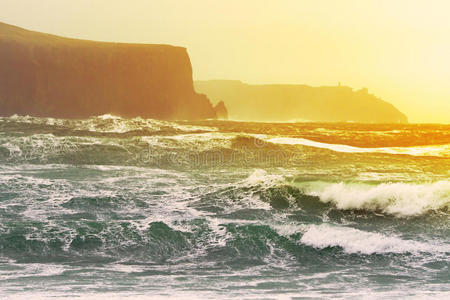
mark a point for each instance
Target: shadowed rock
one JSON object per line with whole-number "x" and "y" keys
{"x": 50, "y": 76}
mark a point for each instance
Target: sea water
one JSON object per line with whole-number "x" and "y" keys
{"x": 109, "y": 207}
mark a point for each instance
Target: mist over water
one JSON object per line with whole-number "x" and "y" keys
{"x": 113, "y": 207}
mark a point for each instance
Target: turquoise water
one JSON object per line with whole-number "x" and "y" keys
{"x": 111, "y": 207}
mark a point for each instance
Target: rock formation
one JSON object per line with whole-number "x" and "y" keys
{"x": 46, "y": 75}
{"x": 299, "y": 102}
{"x": 221, "y": 111}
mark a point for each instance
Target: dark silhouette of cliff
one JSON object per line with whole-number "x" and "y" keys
{"x": 277, "y": 102}
{"x": 46, "y": 75}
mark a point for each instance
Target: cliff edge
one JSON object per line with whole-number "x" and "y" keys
{"x": 282, "y": 102}
{"x": 50, "y": 76}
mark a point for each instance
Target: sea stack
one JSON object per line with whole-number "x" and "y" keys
{"x": 221, "y": 111}
{"x": 50, "y": 76}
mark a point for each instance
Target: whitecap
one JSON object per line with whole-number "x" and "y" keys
{"x": 357, "y": 241}
{"x": 430, "y": 150}
{"x": 401, "y": 199}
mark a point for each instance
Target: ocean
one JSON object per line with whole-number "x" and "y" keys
{"x": 109, "y": 207}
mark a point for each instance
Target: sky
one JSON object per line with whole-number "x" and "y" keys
{"x": 398, "y": 49}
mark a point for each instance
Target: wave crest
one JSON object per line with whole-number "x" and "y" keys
{"x": 357, "y": 241}
{"x": 107, "y": 124}
{"x": 400, "y": 199}
{"x": 429, "y": 150}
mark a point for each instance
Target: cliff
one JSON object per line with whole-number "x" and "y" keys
{"x": 299, "y": 102}
{"x": 46, "y": 75}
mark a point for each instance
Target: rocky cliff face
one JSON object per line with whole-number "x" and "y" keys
{"x": 45, "y": 75}
{"x": 299, "y": 102}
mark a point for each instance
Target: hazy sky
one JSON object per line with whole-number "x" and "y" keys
{"x": 399, "y": 49}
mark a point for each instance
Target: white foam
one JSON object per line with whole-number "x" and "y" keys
{"x": 108, "y": 123}
{"x": 31, "y": 270}
{"x": 287, "y": 230}
{"x": 357, "y": 241}
{"x": 183, "y": 294}
{"x": 260, "y": 176}
{"x": 401, "y": 199}
{"x": 195, "y": 142}
{"x": 434, "y": 150}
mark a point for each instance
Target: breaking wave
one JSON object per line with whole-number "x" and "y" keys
{"x": 106, "y": 124}
{"x": 357, "y": 241}
{"x": 431, "y": 150}
{"x": 400, "y": 199}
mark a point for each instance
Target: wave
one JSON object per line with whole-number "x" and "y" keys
{"x": 107, "y": 124}
{"x": 357, "y": 241}
{"x": 400, "y": 199}
{"x": 431, "y": 150}
{"x": 193, "y": 142}
{"x": 128, "y": 219}
{"x": 313, "y": 198}
{"x": 396, "y": 199}
{"x": 175, "y": 150}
